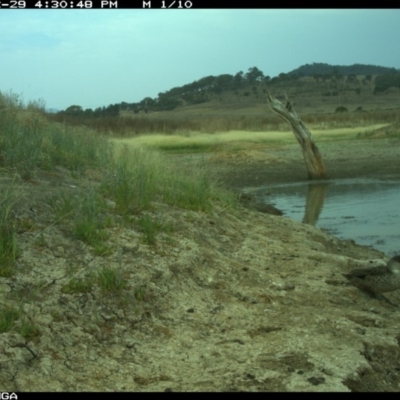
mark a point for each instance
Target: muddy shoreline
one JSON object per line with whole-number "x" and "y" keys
{"x": 377, "y": 159}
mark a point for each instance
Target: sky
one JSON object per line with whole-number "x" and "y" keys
{"x": 93, "y": 58}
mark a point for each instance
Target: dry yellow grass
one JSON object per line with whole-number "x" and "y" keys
{"x": 206, "y": 141}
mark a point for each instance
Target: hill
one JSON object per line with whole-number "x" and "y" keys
{"x": 327, "y": 69}
{"x": 309, "y": 86}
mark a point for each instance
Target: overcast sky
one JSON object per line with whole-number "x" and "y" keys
{"x": 93, "y": 58}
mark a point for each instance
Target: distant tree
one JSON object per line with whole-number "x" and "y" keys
{"x": 283, "y": 77}
{"x": 254, "y": 75}
{"x": 147, "y": 103}
{"x": 111, "y": 111}
{"x": 238, "y": 79}
{"x": 206, "y": 83}
{"x": 222, "y": 83}
{"x": 74, "y": 110}
{"x": 167, "y": 103}
{"x": 384, "y": 82}
{"x": 98, "y": 112}
{"x": 341, "y": 109}
{"x": 89, "y": 112}
{"x": 124, "y": 106}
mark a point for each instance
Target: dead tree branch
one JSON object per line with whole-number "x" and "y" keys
{"x": 312, "y": 157}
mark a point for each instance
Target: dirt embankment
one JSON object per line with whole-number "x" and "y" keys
{"x": 232, "y": 300}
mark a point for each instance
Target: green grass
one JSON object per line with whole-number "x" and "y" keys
{"x": 140, "y": 176}
{"x": 89, "y": 219}
{"x": 29, "y": 330}
{"x": 89, "y": 216}
{"x": 28, "y": 141}
{"x": 132, "y": 181}
{"x": 8, "y": 238}
{"x": 150, "y": 227}
{"x": 140, "y": 294}
{"x": 8, "y": 250}
{"x": 8, "y": 315}
{"x": 111, "y": 280}
{"x": 62, "y": 204}
{"x": 192, "y": 191}
{"x": 75, "y": 148}
{"x": 79, "y": 285}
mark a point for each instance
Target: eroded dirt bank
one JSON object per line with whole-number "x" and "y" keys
{"x": 232, "y": 300}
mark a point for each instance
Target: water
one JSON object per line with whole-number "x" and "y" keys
{"x": 365, "y": 210}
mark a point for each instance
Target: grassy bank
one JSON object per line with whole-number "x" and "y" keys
{"x": 133, "y": 180}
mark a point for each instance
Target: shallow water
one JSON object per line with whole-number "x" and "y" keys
{"x": 365, "y": 210}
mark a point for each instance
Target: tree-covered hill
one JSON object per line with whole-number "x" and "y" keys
{"x": 328, "y": 79}
{"x": 327, "y": 69}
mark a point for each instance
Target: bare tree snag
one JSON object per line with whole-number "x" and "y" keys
{"x": 312, "y": 157}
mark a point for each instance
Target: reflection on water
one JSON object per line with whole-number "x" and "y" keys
{"x": 314, "y": 202}
{"x": 364, "y": 210}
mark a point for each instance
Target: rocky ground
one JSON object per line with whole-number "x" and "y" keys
{"x": 234, "y": 300}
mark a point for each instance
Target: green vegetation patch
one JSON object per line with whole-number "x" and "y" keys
{"x": 28, "y": 329}
{"x": 132, "y": 181}
{"x": 8, "y": 315}
{"x": 150, "y": 227}
{"x": 140, "y": 176}
{"x": 89, "y": 219}
{"x": 111, "y": 279}
{"x": 88, "y": 214}
{"x": 8, "y": 238}
{"x": 79, "y": 285}
{"x": 28, "y": 141}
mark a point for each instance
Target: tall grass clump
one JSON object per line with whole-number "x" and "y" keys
{"x": 8, "y": 315}
{"x": 76, "y": 148}
{"x": 89, "y": 219}
{"x": 140, "y": 176}
{"x": 21, "y": 135}
{"x": 150, "y": 227}
{"x": 88, "y": 216}
{"x": 29, "y": 141}
{"x": 133, "y": 179}
{"x": 111, "y": 279}
{"x": 191, "y": 189}
{"x": 8, "y": 241}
